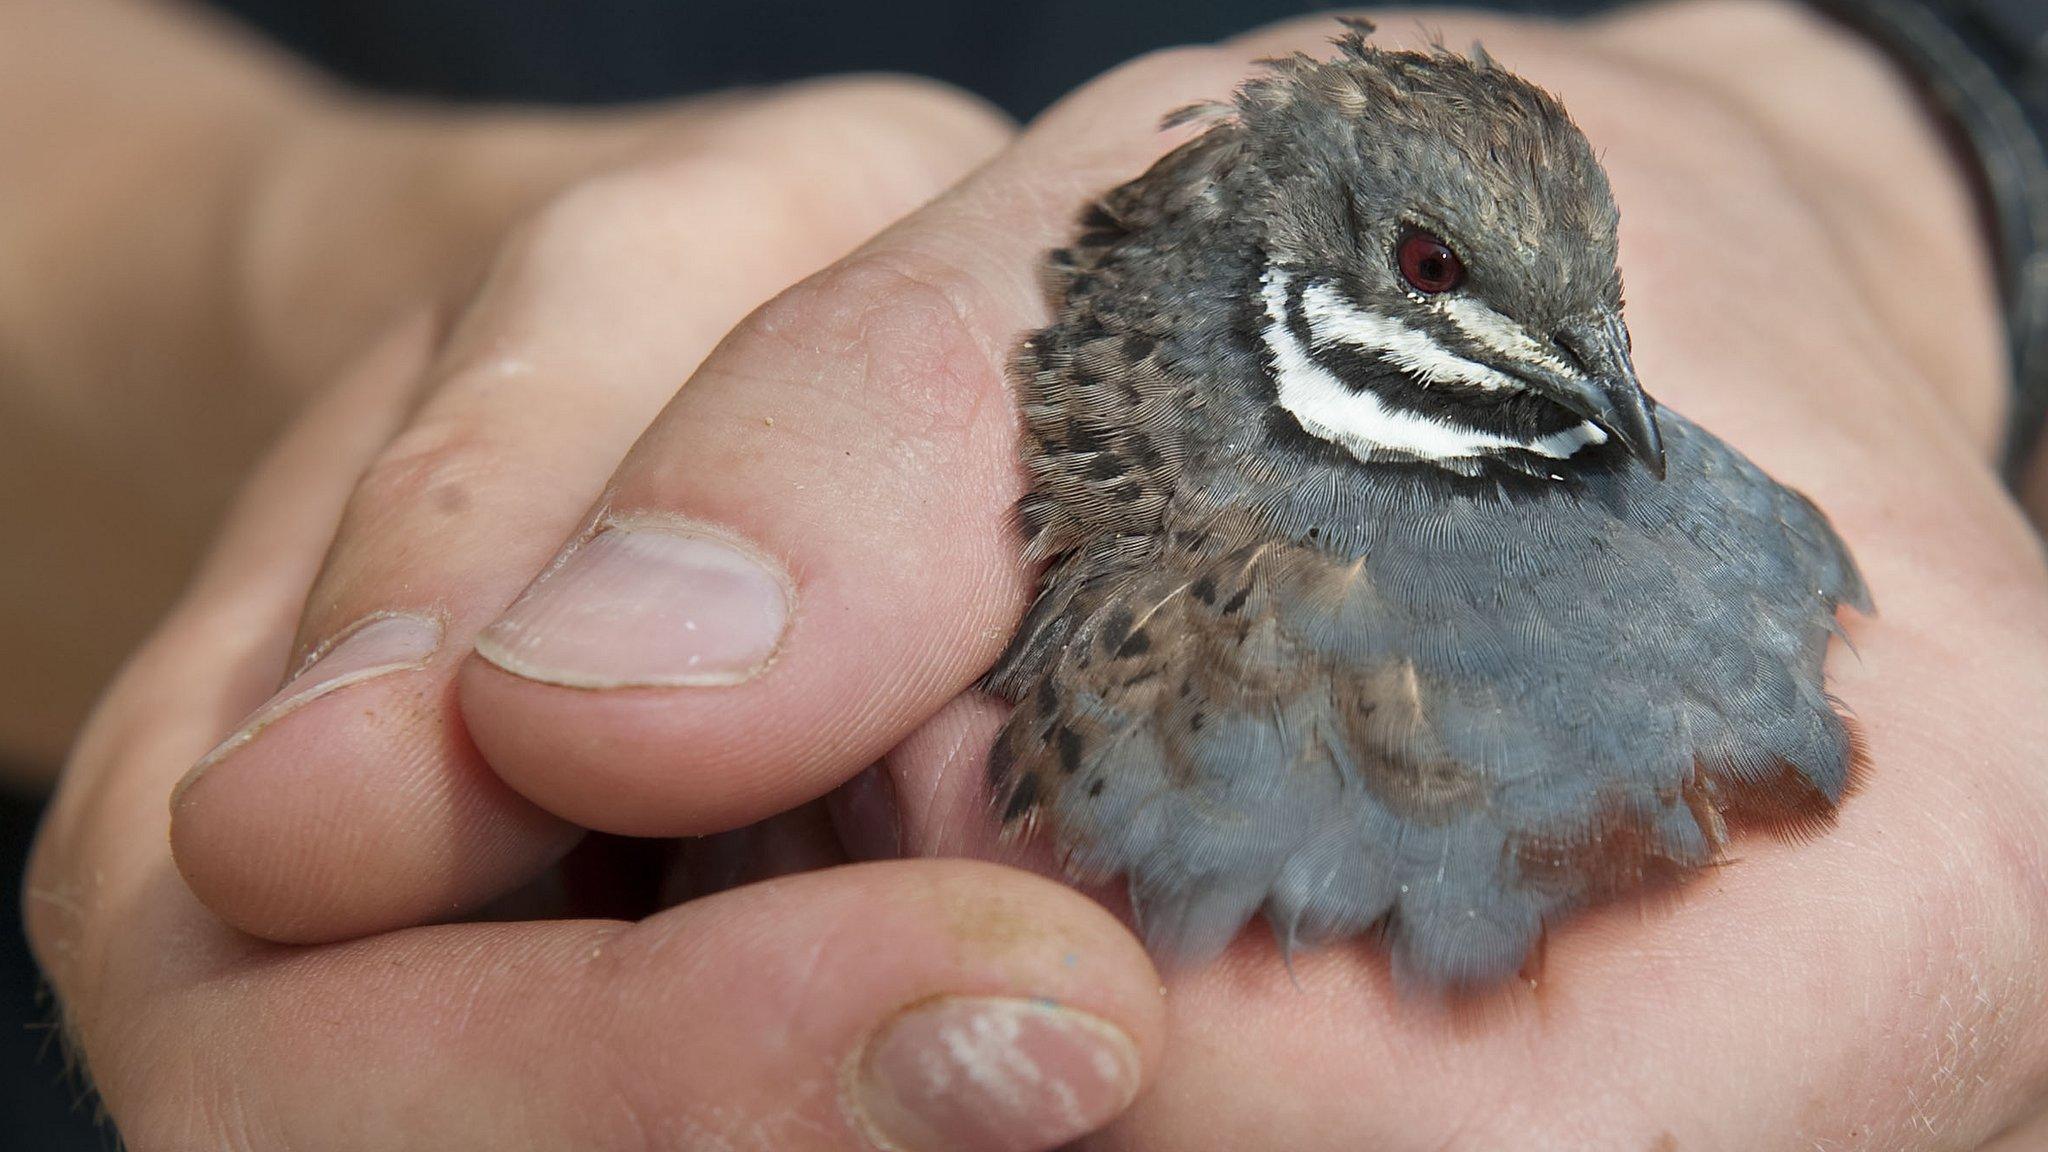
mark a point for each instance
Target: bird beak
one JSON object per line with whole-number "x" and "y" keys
{"x": 1608, "y": 393}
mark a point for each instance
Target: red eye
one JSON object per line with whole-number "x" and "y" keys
{"x": 1428, "y": 264}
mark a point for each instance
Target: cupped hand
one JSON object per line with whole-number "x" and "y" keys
{"x": 825, "y": 1011}
{"x": 803, "y": 564}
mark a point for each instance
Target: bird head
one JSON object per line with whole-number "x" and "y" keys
{"x": 1439, "y": 279}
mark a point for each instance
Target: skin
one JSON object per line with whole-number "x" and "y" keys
{"x": 1802, "y": 280}
{"x": 293, "y": 223}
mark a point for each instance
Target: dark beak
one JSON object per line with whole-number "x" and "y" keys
{"x": 1608, "y": 393}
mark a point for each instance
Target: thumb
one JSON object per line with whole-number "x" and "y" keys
{"x": 811, "y": 550}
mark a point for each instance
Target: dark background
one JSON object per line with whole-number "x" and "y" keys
{"x": 1019, "y": 54}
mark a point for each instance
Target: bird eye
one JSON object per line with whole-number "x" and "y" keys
{"x": 1428, "y": 264}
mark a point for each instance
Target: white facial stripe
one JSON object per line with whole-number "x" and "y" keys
{"x": 1333, "y": 319}
{"x": 1360, "y": 421}
{"x": 1486, "y": 327}
{"x": 1559, "y": 445}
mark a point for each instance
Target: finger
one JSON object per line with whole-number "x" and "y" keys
{"x": 107, "y": 824}
{"x": 810, "y": 551}
{"x": 353, "y": 801}
{"x": 921, "y": 1006}
{"x": 918, "y": 1006}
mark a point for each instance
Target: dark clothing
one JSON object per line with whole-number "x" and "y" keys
{"x": 1019, "y": 54}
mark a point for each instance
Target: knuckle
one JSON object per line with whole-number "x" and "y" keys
{"x": 812, "y": 169}
{"x": 843, "y": 302}
{"x": 448, "y": 480}
{"x": 435, "y": 466}
{"x": 627, "y": 214}
{"x": 896, "y": 102}
{"x": 733, "y": 183}
{"x": 595, "y": 208}
{"x": 925, "y": 127}
{"x": 447, "y": 493}
{"x": 900, "y": 337}
{"x": 696, "y": 204}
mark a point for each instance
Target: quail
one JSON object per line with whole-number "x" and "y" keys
{"x": 1380, "y": 597}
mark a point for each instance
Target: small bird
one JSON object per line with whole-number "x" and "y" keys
{"x": 1381, "y": 598}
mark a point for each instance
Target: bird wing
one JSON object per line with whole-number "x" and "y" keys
{"x": 1444, "y": 742}
{"x": 1175, "y": 726}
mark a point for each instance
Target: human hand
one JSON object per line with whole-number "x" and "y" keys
{"x": 1878, "y": 987}
{"x": 199, "y": 232}
{"x": 745, "y": 1019}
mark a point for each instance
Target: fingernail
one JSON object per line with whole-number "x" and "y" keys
{"x": 991, "y": 1074}
{"x": 645, "y": 603}
{"x": 371, "y": 647}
